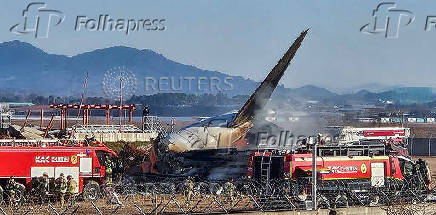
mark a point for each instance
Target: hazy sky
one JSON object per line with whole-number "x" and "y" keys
{"x": 248, "y": 37}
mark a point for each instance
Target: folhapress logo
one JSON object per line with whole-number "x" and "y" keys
{"x": 38, "y": 20}
{"x": 388, "y": 20}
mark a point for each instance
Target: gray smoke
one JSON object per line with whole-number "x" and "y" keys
{"x": 288, "y": 121}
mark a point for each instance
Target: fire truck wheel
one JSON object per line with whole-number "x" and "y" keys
{"x": 91, "y": 191}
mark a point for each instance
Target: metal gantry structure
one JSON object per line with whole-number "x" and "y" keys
{"x": 64, "y": 109}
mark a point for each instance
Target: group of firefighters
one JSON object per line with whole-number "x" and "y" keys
{"x": 42, "y": 188}
{"x": 64, "y": 187}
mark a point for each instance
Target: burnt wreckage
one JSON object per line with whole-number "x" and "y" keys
{"x": 216, "y": 149}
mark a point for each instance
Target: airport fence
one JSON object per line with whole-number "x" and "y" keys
{"x": 216, "y": 198}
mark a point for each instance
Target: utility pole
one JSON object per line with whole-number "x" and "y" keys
{"x": 121, "y": 101}
{"x": 411, "y": 144}
{"x": 41, "y": 122}
{"x": 85, "y": 84}
{"x": 314, "y": 174}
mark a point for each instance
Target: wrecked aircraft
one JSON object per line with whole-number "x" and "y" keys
{"x": 216, "y": 148}
{"x": 222, "y": 132}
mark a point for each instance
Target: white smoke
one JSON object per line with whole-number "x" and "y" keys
{"x": 293, "y": 119}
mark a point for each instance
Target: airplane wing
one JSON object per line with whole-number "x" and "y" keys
{"x": 262, "y": 94}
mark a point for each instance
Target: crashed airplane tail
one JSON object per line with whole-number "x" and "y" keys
{"x": 258, "y": 99}
{"x": 226, "y": 130}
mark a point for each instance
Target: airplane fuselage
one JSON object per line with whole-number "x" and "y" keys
{"x": 210, "y": 133}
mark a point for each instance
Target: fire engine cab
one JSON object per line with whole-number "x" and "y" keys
{"x": 28, "y": 159}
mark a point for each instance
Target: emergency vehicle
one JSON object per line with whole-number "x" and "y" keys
{"x": 29, "y": 159}
{"x": 355, "y": 170}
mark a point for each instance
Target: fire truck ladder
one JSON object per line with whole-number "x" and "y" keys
{"x": 265, "y": 167}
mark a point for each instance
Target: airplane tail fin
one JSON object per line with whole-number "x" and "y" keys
{"x": 262, "y": 94}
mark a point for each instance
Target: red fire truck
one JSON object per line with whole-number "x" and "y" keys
{"x": 351, "y": 171}
{"x": 28, "y": 159}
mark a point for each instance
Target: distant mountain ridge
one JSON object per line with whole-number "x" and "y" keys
{"x": 25, "y": 68}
